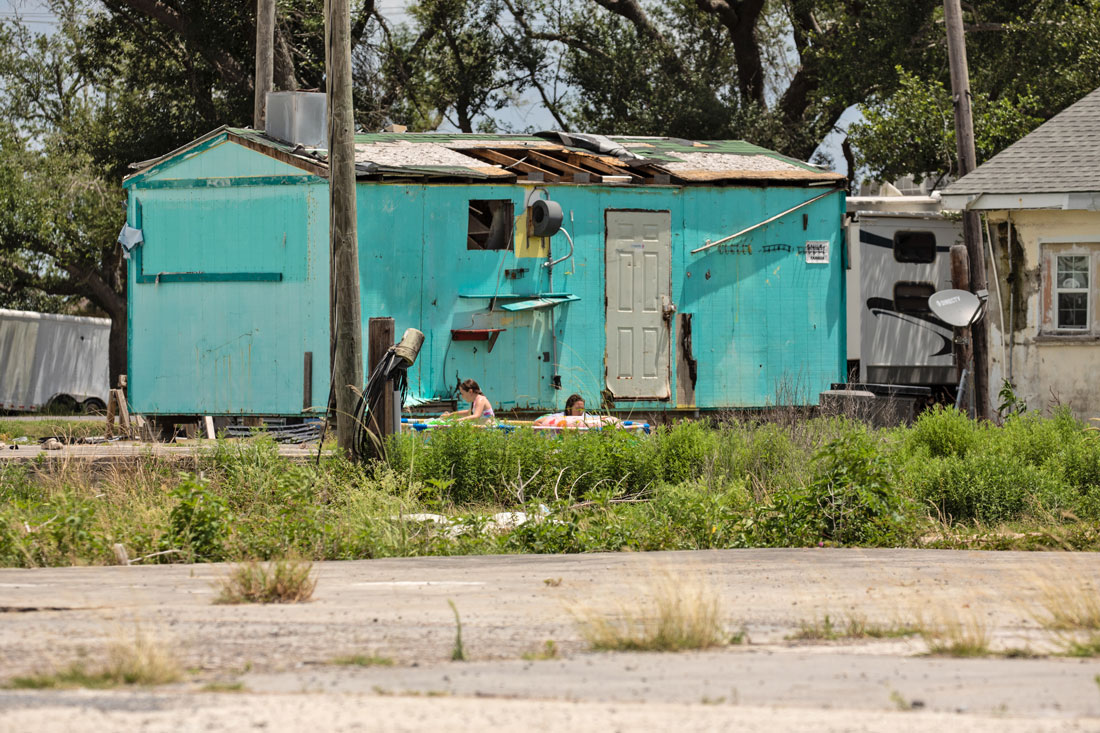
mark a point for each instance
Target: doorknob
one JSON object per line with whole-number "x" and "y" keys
{"x": 667, "y": 307}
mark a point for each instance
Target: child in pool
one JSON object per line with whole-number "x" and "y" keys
{"x": 480, "y": 407}
{"x": 574, "y": 407}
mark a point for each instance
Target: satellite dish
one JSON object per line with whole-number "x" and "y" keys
{"x": 958, "y": 308}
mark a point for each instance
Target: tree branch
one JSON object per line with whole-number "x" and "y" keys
{"x": 569, "y": 41}
{"x": 740, "y": 17}
{"x": 227, "y": 66}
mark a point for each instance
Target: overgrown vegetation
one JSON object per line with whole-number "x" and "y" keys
{"x": 946, "y": 482}
{"x": 281, "y": 581}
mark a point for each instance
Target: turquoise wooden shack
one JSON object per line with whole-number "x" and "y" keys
{"x": 652, "y": 297}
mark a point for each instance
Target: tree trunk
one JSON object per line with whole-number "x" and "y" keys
{"x": 116, "y": 349}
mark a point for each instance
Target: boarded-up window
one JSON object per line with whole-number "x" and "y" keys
{"x": 490, "y": 225}
{"x": 910, "y": 297}
{"x": 914, "y": 246}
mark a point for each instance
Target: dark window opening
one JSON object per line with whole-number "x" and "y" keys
{"x": 490, "y": 224}
{"x": 913, "y": 297}
{"x": 914, "y": 246}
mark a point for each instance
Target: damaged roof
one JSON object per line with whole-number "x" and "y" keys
{"x": 548, "y": 157}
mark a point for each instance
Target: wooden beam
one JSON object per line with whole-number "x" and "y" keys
{"x": 494, "y": 156}
{"x": 583, "y": 160}
{"x": 548, "y": 160}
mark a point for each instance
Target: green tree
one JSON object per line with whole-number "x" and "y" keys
{"x": 778, "y": 72}
{"x": 59, "y": 216}
{"x": 1028, "y": 61}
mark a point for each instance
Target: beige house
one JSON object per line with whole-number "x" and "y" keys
{"x": 1041, "y": 203}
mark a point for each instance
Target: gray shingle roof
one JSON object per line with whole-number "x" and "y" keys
{"x": 1060, "y": 156}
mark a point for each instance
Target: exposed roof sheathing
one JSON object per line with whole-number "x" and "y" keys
{"x": 585, "y": 159}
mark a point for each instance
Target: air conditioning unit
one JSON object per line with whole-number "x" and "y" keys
{"x": 298, "y": 118}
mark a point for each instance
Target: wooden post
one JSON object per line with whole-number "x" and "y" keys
{"x": 960, "y": 279}
{"x": 265, "y": 60}
{"x": 972, "y": 234}
{"x": 116, "y": 407}
{"x": 307, "y": 381}
{"x": 380, "y": 334}
{"x": 348, "y": 364}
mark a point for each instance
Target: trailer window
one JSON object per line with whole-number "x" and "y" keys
{"x": 914, "y": 246}
{"x": 490, "y": 225}
{"x": 912, "y": 297}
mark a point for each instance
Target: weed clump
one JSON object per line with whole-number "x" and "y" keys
{"x": 950, "y": 634}
{"x": 675, "y": 615}
{"x": 140, "y": 661}
{"x": 856, "y": 627}
{"x": 363, "y": 660}
{"x": 281, "y": 581}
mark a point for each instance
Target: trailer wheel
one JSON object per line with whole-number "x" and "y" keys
{"x": 94, "y": 406}
{"x": 62, "y": 404}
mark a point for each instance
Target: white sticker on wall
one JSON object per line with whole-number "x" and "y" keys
{"x": 817, "y": 252}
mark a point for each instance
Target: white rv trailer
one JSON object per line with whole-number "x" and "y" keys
{"x": 899, "y": 250}
{"x": 49, "y": 360}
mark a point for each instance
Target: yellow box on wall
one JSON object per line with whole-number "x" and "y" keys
{"x": 528, "y": 246}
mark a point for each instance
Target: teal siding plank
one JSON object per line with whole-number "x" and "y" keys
{"x": 229, "y": 182}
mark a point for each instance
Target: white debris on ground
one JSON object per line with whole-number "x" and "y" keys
{"x": 727, "y": 162}
{"x": 499, "y": 522}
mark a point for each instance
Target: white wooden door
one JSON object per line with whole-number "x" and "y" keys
{"x": 637, "y": 263}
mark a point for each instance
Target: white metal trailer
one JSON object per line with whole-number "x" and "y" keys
{"x": 49, "y": 360}
{"x": 900, "y": 254}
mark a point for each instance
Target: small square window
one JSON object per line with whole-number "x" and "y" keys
{"x": 919, "y": 247}
{"x": 490, "y": 224}
{"x": 912, "y": 297}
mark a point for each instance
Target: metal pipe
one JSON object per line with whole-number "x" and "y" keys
{"x": 1011, "y": 292}
{"x": 781, "y": 214}
{"x": 551, "y": 263}
{"x": 996, "y": 279}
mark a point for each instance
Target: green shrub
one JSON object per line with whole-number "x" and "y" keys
{"x": 852, "y": 500}
{"x": 991, "y": 485}
{"x": 683, "y": 449}
{"x": 942, "y": 432}
{"x": 199, "y": 522}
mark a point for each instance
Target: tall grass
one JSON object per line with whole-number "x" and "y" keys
{"x": 741, "y": 481}
{"x": 670, "y": 614}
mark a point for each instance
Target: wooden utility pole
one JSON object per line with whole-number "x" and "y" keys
{"x": 381, "y": 420}
{"x": 972, "y": 232}
{"x": 960, "y": 279}
{"x": 343, "y": 239}
{"x": 265, "y": 60}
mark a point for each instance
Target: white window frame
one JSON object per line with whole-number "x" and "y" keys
{"x": 1050, "y": 251}
{"x": 1057, "y": 290}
